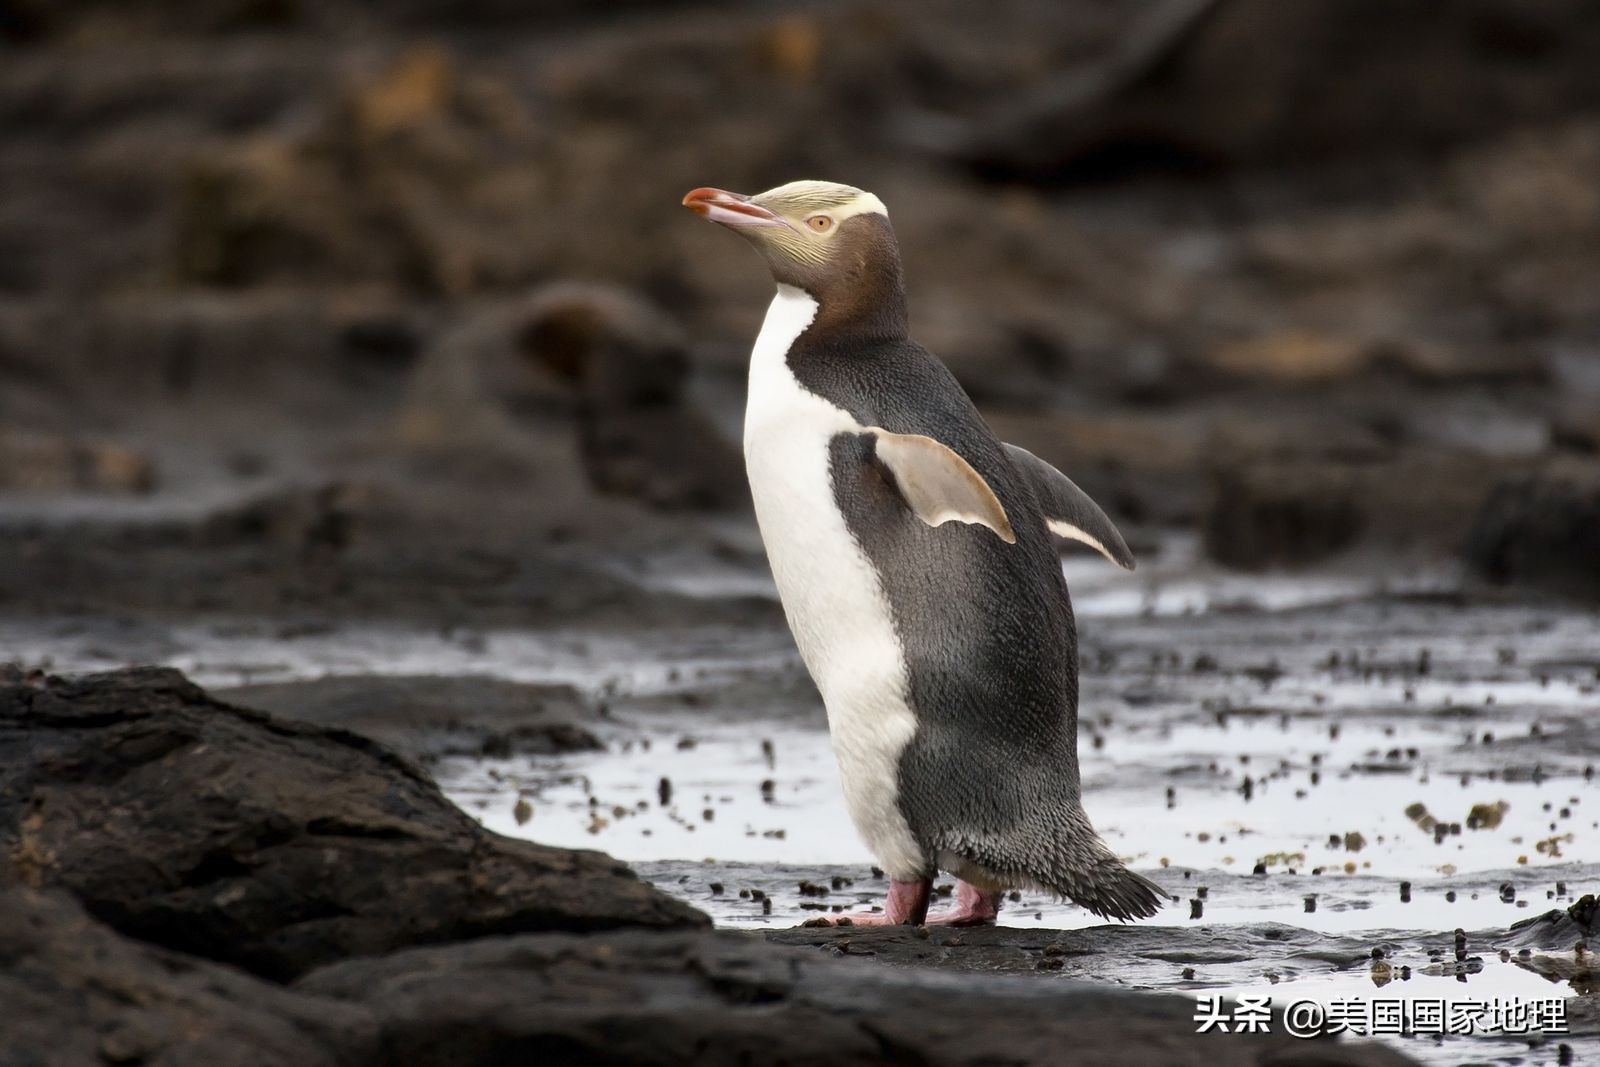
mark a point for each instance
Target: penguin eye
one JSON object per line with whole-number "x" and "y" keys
{"x": 820, "y": 223}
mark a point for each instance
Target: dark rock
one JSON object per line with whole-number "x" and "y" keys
{"x": 1272, "y": 515}
{"x": 383, "y": 342}
{"x": 28, "y": 20}
{"x": 379, "y": 183}
{"x": 77, "y": 992}
{"x": 302, "y": 518}
{"x": 433, "y": 715}
{"x": 1300, "y": 509}
{"x": 1559, "y": 928}
{"x": 49, "y": 463}
{"x": 589, "y": 379}
{"x": 270, "y": 844}
{"x": 429, "y": 542}
{"x": 1222, "y": 82}
{"x": 629, "y": 366}
{"x": 1542, "y": 531}
{"x": 616, "y": 349}
{"x": 648, "y": 998}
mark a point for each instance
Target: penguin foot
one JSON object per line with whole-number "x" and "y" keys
{"x": 907, "y": 905}
{"x": 974, "y": 907}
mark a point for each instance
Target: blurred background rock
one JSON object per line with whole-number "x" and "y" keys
{"x": 388, "y": 307}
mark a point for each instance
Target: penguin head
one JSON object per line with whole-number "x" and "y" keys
{"x": 829, "y": 239}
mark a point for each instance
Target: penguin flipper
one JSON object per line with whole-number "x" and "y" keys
{"x": 1069, "y": 512}
{"x": 937, "y": 484}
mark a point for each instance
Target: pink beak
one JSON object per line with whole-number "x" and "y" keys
{"x": 730, "y": 209}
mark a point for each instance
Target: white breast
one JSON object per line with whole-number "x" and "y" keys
{"x": 831, "y": 594}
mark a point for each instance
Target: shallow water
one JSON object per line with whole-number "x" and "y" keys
{"x": 1344, "y": 707}
{"x": 1379, "y": 717}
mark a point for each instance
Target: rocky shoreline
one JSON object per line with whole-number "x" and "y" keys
{"x": 186, "y": 881}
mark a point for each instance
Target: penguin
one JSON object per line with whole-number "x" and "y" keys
{"x": 912, "y": 551}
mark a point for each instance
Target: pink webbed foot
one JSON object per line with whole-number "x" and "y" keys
{"x": 973, "y": 907}
{"x": 907, "y": 905}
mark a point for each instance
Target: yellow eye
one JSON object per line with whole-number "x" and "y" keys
{"x": 820, "y": 223}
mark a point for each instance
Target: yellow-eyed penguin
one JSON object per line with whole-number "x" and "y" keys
{"x": 912, "y": 551}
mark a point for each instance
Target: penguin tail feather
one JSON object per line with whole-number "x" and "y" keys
{"x": 1114, "y": 892}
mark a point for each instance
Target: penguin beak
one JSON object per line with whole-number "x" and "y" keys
{"x": 734, "y": 210}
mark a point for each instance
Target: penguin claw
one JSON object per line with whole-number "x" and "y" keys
{"x": 957, "y": 917}
{"x": 863, "y": 918}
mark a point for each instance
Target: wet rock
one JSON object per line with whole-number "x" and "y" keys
{"x": 267, "y": 843}
{"x": 357, "y": 551}
{"x": 110, "y": 357}
{"x": 1269, "y": 511}
{"x": 1292, "y": 358}
{"x": 84, "y": 993}
{"x": 1541, "y": 531}
{"x": 41, "y": 462}
{"x": 427, "y": 716}
{"x": 77, "y": 992}
{"x": 1487, "y": 816}
{"x": 727, "y": 999}
{"x": 1225, "y": 82}
{"x": 474, "y": 387}
{"x": 1280, "y": 514}
{"x": 618, "y": 351}
{"x": 307, "y": 519}
{"x": 28, "y": 20}
{"x": 629, "y": 366}
{"x": 588, "y": 384}
{"x": 381, "y": 185}
{"x": 1559, "y": 928}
